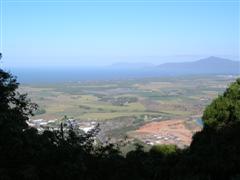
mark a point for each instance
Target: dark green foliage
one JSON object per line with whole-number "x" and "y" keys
{"x": 225, "y": 110}
{"x": 165, "y": 150}
{"x": 25, "y": 154}
{"x": 15, "y": 107}
{"x": 214, "y": 152}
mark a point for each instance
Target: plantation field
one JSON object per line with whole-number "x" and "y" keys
{"x": 127, "y": 104}
{"x": 104, "y": 100}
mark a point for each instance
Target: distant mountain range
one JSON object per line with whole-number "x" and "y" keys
{"x": 207, "y": 66}
{"x": 210, "y": 65}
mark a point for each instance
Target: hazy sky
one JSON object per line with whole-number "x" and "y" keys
{"x": 103, "y": 32}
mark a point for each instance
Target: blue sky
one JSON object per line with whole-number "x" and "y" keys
{"x": 48, "y": 33}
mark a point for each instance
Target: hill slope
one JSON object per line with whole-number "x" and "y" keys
{"x": 210, "y": 65}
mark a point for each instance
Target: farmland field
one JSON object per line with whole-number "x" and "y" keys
{"x": 124, "y": 106}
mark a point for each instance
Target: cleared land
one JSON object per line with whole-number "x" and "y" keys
{"x": 172, "y": 131}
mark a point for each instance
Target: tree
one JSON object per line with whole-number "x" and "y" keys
{"x": 225, "y": 110}
{"x": 214, "y": 152}
{"x": 15, "y": 107}
{"x": 15, "y": 134}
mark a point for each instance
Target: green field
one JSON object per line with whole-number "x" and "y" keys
{"x": 106, "y": 100}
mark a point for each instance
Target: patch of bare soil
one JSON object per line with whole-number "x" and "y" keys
{"x": 166, "y": 132}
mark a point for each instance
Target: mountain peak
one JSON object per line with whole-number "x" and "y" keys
{"x": 214, "y": 59}
{"x": 209, "y": 65}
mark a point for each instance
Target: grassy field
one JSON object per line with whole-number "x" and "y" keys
{"x": 106, "y": 100}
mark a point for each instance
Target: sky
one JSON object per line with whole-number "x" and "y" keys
{"x": 103, "y": 32}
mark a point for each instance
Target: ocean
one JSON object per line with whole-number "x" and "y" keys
{"x": 58, "y": 75}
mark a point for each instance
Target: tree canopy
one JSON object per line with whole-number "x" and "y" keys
{"x": 225, "y": 110}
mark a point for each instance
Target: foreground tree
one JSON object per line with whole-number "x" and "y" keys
{"x": 15, "y": 109}
{"x": 215, "y": 151}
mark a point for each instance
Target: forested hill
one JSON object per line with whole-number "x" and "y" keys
{"x": 26, "y": 154}
{"x": 210, "y": 65}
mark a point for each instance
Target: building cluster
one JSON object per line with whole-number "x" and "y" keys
{"x": 162, "y": 138}
{"x": 41, "y": 124}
